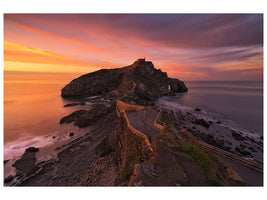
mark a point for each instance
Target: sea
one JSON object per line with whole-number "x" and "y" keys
{"x": 239, "y": 102}
{"x": 33, "y": 108}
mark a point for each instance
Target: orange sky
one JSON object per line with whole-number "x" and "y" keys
{"x": 189, "y": 47}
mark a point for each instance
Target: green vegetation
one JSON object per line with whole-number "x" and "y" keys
{"x": 198, "y": 154}
{"x": 213, "y": 179}
{"x": 133, "y": 155}
{"x": 164, "y": 117}
{"x": 193, "y": 152}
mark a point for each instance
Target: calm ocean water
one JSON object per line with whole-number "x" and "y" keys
{"x": 33, "y": 108}
{"x": 238, "y": 101}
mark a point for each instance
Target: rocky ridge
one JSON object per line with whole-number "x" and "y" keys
{"x": 139, "y": 83}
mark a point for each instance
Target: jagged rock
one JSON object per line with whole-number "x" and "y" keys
{"x": 241, "y": 150}
{"x": 177, "y": 85}
{"x": 84, "y": 118}
{"x": 27, "y": 161}
{"x": 201, "y": 122}
{"x": 8, "y": 179}
{"x": 71, "y": 134}
{"x": 32, "y": 149}
{"x": 139, "y": 82}
{"x": 147, "y": 152}
{"x": 74, "y": 104}
{"x": 237, "y": 136}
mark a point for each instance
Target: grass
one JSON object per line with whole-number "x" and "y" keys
{"x": 133, "y": 156}
{"x": 195, "y": 152}
{"x": 180, "y": 167}
{"x": 213, "y": 179}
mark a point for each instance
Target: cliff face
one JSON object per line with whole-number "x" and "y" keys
{"x": 139, "y": 82}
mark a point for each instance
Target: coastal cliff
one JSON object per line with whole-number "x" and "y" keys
{"x": 140, "y": 82}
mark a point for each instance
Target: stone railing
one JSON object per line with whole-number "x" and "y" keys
{"x": 158, "y": 125}
{"x": 120, "y": 109}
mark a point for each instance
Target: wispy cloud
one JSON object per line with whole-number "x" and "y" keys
{"x": 192, "y": 44}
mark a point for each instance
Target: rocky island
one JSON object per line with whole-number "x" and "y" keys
{"x": 138, "y": 83}
{"x": 131, "y": 141}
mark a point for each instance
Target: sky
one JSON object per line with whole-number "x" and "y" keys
{"x": 186, "y": 46}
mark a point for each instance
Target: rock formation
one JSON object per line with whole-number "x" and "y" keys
{"x": 140, "y": 83}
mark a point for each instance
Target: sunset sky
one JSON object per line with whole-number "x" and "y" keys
{"x": 188, "y": 47}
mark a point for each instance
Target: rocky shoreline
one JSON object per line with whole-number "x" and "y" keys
{"x": 74, "y": 153}
{"x": 95, "y": 149}
{"x": 215, "y": 131}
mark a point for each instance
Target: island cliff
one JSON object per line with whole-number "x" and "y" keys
{"x": 139, "y": 83}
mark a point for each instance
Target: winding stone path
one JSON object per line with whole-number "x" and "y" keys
{"x": 143, "y": 121}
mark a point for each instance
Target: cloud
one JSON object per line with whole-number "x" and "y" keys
{"x": 189, "y": 44}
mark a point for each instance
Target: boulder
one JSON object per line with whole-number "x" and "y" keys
{"x": 27, "y": 161}
{"x": 84, "y": 118}
{"x": 8, "y": 179}
{"x": 71, "y": 134}
{"x": 32, "y": 149}
{"x": 237, "y": 136}
{"x": 201, "y": 122}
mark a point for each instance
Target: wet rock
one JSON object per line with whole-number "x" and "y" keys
{"x": 177, "y": 85}
{"x": 6, "y": 161}
{"x": 252, "y": 149}
{"x": 75, "y": 104}
{"x": 8, "y": 179}
{"x": 242, "y": 151}
{"x": 32, "y": 149}
{"x": 27, "y": 161}
{"x": 84, "y": 118}
{"x": 198, "y": 109}
{"x": 237, "y": 136}
{"x": 71, "y": 134}
{"x": 201, "y": 122}
{"x": 73, "y": 116}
